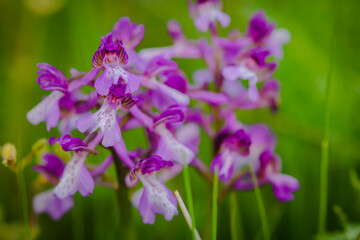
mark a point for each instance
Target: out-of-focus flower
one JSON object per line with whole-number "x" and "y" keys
{"x": 51, "y": 168}
{"x": 232, "y": 152}
{"x": 206, "y": 13}
{"x": 263, "y": 32}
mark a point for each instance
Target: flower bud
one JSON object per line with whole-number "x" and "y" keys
{"x": 9, "y": 155}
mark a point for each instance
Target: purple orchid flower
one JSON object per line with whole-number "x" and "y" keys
{"x": 206, "y": 13}
{"x": 112, "y": 56}
{"x": 234, "y": 149}
{"x": 154, "y": 197}
{"x": 253, "y": 68}
{"x": 263, "y": 32}
{"x": 259, "y": 28}
{"x": 105, "y": 118}
{"x": 269, "y": 172}
{"x": 52, "y": 168}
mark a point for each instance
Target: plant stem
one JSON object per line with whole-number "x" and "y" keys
{"x": 23, "y": 196}
{"x": 260, "y": 202}
{"x": 123, "y": 201}
{"x": 22, "y": 185}
{"x": 189, "y": 197}
{"x": 325, "y": 142}
{"x": 233, "y": 210}
{"x": 214, "y": 202}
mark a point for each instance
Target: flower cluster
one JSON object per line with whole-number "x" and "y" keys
{"x": 147, "y": 89}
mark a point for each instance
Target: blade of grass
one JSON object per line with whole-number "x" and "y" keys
{"x": 186, "y": 214}
{"x": 260, "y": 202}
{"x": 214, "y": 202}
{"x": 325, "y": 142}
{"x": 22, "y": 185}
{"x": 189, "y": 197}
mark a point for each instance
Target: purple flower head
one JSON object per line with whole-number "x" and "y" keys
{"x": 259, "y": 28}
{"x": 51, "y": 167}
{"x": 75, "y": 178}
{"x": 149, "y": 165}
{"x": 129, "y": 33}
{"x": 54, "y": 206}
{"x": 239, "y": 142}
{"x": 112, "y": 56}
{"x": 234, "y": 149}
{"x": 206, "y": 13}
{"x": 173, "y": 114}
{"x": 51, "y": 78}
{"x": 283, "y": 185}
{"x": 69, "y": 143}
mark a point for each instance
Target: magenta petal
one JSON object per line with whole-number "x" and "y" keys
{"x": 284, "y": 186}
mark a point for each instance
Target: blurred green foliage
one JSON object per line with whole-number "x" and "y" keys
{"x": 65, "y": 33}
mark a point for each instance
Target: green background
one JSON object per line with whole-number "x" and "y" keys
{"x": 66, "y": 33}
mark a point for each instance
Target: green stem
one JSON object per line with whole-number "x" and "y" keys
{"x": 124, "y": 204}
{"x": 325, "y": 142}
{"x": 189, "y": 197}
{"x": 23, "y": 196}
{"x": 233, "y": 210}
{"x": 22, "y": 185}
{"x": 78, "y": 220}
{"x": 214, "y": 202}
{"x": 260, "y": 202}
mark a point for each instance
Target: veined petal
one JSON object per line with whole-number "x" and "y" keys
{"x": 75, "y": 178}
{"x": 156, "y": 198}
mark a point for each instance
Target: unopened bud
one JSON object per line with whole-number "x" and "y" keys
{"x": 9, "y": 155}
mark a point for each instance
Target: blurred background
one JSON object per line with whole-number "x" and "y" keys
{"x": 66, "y": 33}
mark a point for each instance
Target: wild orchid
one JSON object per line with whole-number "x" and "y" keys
{"x": 147, "y": 89}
